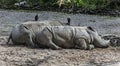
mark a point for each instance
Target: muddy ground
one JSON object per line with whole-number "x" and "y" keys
{"x": 24, "y": 56}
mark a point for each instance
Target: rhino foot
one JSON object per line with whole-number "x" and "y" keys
{"x": 90, "y": 47}
{"x": 53, "y": 46}
{"x": 58, "y": 48}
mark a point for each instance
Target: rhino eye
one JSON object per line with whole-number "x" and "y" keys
{"x": 25, "y": 27}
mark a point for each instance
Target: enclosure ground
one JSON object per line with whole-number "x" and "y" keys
{"x": 23, "y": 56}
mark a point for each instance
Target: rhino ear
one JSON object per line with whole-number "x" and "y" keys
{"x": 90, "y": 28}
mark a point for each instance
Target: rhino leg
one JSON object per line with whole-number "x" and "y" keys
{"x": 49, "y": 43}
{"x": 83, "y": 45}
{"x": 53, "y": 46}
{"x": 46, "y": 38}
{"x": 90, "y": 47}
{"x": 30, "y": 42}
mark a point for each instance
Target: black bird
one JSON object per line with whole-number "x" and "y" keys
{"x": 69, "y": 20}
{"x": 79, "y": 24}
{"x": 36, "y": 17}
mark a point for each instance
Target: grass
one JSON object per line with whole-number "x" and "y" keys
{"x": 86, "y": 4}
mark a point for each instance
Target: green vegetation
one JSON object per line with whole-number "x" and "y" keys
{"x": 86, "y": 4}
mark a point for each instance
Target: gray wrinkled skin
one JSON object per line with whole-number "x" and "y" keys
{"x": 57, "y": 37}
{"x": 25, "y": 33}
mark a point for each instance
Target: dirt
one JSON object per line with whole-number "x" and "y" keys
{"x": 14, "y": 55}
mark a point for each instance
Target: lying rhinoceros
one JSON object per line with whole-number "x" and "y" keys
{"x": 24, "y": 33}
{"x": 57, "y": 37}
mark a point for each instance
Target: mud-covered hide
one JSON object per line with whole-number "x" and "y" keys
{"x": 25, "y": 33}
{"x": 57, "y": 37}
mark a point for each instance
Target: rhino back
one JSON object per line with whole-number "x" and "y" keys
{"x": 36, "y": 26}
{"x": 55, "y": 23}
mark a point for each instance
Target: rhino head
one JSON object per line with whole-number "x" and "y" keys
{"x": 97, "y": 40}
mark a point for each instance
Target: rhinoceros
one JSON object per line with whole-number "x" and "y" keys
{"x": 57, "y": 37}
{"x": 24, "y": 33}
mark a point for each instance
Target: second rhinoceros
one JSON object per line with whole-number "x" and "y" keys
{"x": 25, "y": 33}
{"x": 57, "y": 37}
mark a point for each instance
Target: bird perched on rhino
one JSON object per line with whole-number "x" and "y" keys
{"x": 69, "y": 20}
{"x": 36, "y": 17}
